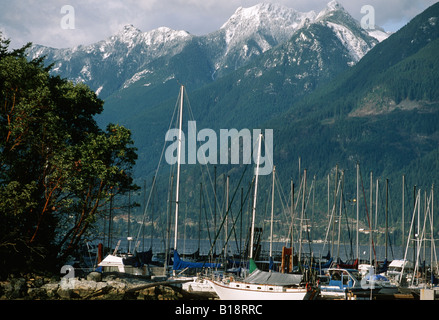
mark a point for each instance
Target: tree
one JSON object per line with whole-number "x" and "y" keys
{"x": 58, "y": 168}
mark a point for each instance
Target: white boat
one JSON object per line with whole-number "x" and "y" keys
{"x": 113, "y": 263}
{"x": 199, "y": 286}
{"x": 341, "y": 284}
{"x": 399, "y": 271}
{"x": 348, "y": 284}
{"x": 261, "y": 285}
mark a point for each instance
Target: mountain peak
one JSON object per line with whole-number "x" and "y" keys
{"x": 330, "y": 8}
{"x": 129, "y": 29}
{"x": 334, "y": 5}
{"x": 127, "y": 33}
{"x": 271, "y": 19}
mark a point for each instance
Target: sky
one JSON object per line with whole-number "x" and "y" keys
{"x": 68, "y": 23}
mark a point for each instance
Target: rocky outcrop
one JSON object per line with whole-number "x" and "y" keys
{"x": 95, "y": 286}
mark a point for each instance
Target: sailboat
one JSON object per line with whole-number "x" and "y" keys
{"x": 133, "y": 263}
{"x": 420, "y": 278}
{"x": 192, "y": 284}
{"x": 260, "y": 285}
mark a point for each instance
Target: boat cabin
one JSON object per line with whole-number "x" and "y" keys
{"x": 343, "y": 278}
{"x": 337, "y": 282}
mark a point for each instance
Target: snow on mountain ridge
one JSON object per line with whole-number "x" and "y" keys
{"x": 357, "y": 47}
{"x": 275, "y": 19}
{"x": 249, "y": 32}
{"x": 132, "y": 36}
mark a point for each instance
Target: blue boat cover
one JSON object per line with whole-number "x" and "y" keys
{"x": 181, "y": 264}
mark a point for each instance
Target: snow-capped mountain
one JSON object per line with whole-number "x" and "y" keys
{"x": 255, "y": 30}
{"x": 106, "y": 65}
{"x": 152, "y": 57}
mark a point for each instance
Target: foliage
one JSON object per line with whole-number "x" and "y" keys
{"x": 58, "y": 168}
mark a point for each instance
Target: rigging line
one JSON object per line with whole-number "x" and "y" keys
{"x": 210, "y": 180}
{"x": 239, "y": 214}
{"x": 234, "y": 222}
{"x": 331, "y": 217}
{"x": 206, "y": 217}
{"x": 156, "y": 174}
{"x": 283, "y": 201}
{"x": 408, "y": 192}
{"x": 345, "y": 209}
{"x": 410, "y": 232}
{"x": 390, "y": 210}
{"x": 191, "y": 116}
{"x": 306, "y": 205}
{"x": 224, "y": 218}
{"x": 291, "y": 224}
{"x": 351, "y": 254}
{"x": 233, "y": 229}
{"x": 421, "y": 238}
{"x": 367, "y": 214}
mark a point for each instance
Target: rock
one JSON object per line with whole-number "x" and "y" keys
{"x": 85, "y": 285}
{"x": 38, "y": 282}
{"x": 64, "y": 293}
{"x": 51, "y": 289}
{"x": 95, "y": 286}
{"x": 117, "y": 286}
{"x": 16, "y": 288}
{"x": 94, "y": 276}
{"x": 37, "y": 294}
{"x": 86, "y": 288}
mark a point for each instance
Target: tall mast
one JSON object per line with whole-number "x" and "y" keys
{"x": 431, "y": 227}
{"x": 371, "y": 218}
{"x": 272, "y": 212}
{"x": 387, "y": 219}
{"x": 254, "y": 199}
{"x": 358, "y": 208}
{"x": 177, "y": 199}
{"x": 302, "y": 214}
{"x": 226, "y": 217}
{"x": 292, "y": 216}
{"x": 402, "y": 211}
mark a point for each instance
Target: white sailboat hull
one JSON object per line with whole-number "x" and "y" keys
{"x": 236, "y": 290}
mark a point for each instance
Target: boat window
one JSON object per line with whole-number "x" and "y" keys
{"x": 259, "y": 288}
{"x": 345, "y": 279}
{"x": 336, "y": 276}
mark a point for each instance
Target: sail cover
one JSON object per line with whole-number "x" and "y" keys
{"x": 181, "y": 264}
{"x": 273, "y": 278}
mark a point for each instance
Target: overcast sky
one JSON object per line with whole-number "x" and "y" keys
{"x": 41, "y": 22}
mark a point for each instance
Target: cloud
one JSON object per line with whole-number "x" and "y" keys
{"x": 39, "y": 21}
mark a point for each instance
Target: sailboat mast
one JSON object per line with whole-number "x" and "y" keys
{"x": 272, "y": 212}
{"x": 254, "y": 199}
{"x": 358, "y": 208}
{"x": 177, "y": 199}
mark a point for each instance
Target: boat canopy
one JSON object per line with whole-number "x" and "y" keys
{"x": 273, "y": 278}
{"x": 181, "y": 264}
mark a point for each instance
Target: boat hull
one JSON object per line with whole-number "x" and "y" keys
{"x": 245, "y": 291}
